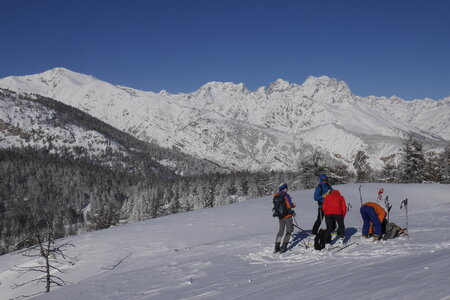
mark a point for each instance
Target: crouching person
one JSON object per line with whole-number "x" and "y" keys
{"x": 335, "y": 208}
{"x": 283, "y": 210}
{"x": 373, "y": 216}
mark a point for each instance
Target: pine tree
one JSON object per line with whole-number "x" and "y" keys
{"x": 432, "y": 167}
{"x": 362, "y": 167}
{"x": 444, "y": 165}
{"x": 413, "y": 162}
{"x": 389, "y": 171}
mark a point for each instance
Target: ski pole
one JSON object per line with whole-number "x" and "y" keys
{"x": 388, "y": 206}
{"x": 301, "y": 229}
{"x": 360, "y": 195}
{"x": 405, "y": 205}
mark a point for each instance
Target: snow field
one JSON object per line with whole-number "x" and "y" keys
{"x": 227, "y": 253}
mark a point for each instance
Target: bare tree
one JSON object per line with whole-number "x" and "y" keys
{"x": 311, "y": 167}
{"x": 49, "y": 259}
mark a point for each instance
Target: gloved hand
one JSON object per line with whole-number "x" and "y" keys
{"x": 292, "y": 212}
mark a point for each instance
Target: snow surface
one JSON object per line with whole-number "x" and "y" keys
{"x": 226, "y": 253}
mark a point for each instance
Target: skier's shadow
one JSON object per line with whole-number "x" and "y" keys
{"x": 349, "y": 232}
{"x": 298, "y": 237}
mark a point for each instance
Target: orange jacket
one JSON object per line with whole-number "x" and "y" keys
{"x": 334, "y": 204}
{"x": 381, "y": 213}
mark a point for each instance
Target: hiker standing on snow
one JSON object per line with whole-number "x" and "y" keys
{"x": 322, "y": 189}
{"x": 286, "y": 223}
{"x": 374, "y": 216}
{"x": 335, "y": 208}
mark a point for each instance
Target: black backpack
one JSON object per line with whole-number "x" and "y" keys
{"x": 321, "y": 239}
{"x": 279, "y": 206}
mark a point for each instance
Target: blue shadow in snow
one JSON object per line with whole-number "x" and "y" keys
{"x": 299, "y": 237}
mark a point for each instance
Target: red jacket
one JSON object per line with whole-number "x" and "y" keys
{"x": 334, "y": 204}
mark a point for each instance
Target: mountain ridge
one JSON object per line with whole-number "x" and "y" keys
{"x": 234, "y": 127}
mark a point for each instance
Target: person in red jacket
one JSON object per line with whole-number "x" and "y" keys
{"x": 335, "y": 208}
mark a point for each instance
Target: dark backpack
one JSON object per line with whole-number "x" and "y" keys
{"x": 279, "y": 206}
{"x": 321, "y": 239}
{"x": 392, "y": 231}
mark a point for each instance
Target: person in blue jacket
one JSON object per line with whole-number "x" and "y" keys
{"x": 322, "y": 189}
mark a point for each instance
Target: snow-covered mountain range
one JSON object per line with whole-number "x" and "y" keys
{"x": 270, "y": 128}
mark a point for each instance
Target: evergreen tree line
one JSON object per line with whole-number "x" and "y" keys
{"x": 417, "y": 166}
{"x": 38, "y": 189}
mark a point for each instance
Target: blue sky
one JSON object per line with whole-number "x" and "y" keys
{"x": 380, "y": 48}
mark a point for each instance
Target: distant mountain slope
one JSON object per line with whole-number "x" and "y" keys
{"x": 270, "y": 128}
{"x": 43, "y": 123}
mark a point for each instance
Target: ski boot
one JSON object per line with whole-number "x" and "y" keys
{"x": 339, "y": 242}
{"x": 277, "y": 248}
{"x": 283, "y": 248}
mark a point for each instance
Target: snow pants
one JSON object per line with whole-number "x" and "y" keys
{"x": 331, "y": 221}
{"x": 319, "y": 219}
{"x": 286, "y": 225}
{"x": 369, "y": 217}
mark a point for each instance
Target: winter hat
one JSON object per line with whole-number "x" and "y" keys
{"x": 282, "y": 186}
{"x": 323, "y": 177}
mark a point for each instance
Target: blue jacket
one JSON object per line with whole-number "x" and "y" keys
{"x": 321, "y": 189}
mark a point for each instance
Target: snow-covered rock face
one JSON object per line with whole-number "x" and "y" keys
{"x": 271, "y": 127}
{"x": 25, "y": 123}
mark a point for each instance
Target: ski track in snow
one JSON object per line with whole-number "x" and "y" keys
{"x": 227, "y": 253}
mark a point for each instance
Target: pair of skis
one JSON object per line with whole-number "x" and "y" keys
{"x": 332, "y": 249}
{"x": 335, "y": 249}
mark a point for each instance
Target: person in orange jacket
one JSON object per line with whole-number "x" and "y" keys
{"x": 334, "y": 208}
{"x": 285, "y": 221}
{"x": 374, "y": 217}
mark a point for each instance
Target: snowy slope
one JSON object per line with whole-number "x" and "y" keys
{"x": 241, "y": 129}
{"x": 226, "y": 253}
{"x": 28, "y": 123}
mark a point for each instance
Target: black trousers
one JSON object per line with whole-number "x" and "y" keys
{"x": 331, "y": 221}
{"x": 318, "y": 221}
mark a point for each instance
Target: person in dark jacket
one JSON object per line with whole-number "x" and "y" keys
{"x": 286, "y": 224}
{"x": 335, "y": 208}
{"x": 374, "y": 218}
{"x": 322, "y": 189}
